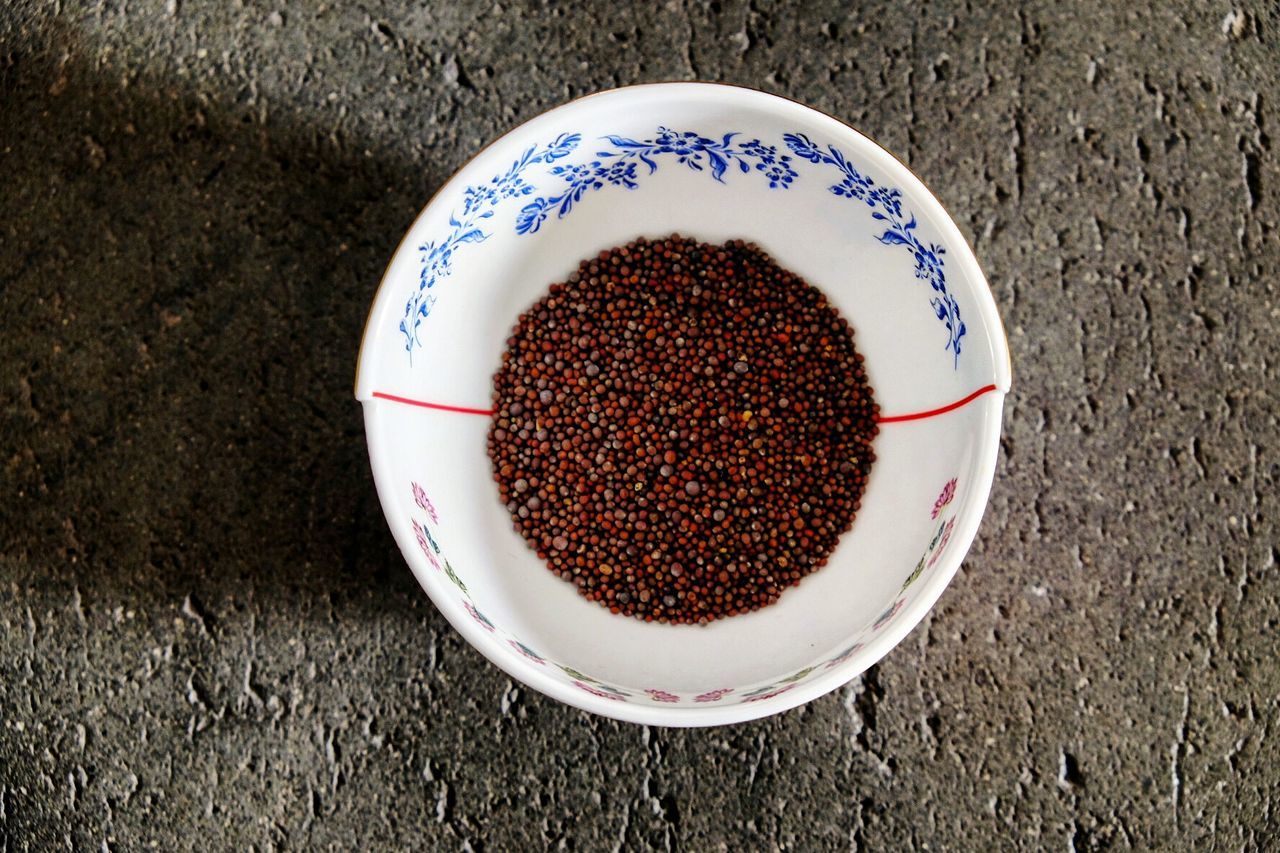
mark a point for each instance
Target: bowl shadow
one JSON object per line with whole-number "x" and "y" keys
{"x": 182, "y": 286}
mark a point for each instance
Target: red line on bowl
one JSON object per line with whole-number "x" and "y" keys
{"x": 915, "y": 416}
{"x": 466, "y": 410}
{"x": 886, "y": 419}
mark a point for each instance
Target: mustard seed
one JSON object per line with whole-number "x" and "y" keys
{"x": 682, "y": 430}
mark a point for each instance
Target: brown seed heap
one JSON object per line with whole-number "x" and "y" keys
{"x": 682, "y": 430}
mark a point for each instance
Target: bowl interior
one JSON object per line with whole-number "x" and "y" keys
{"x": 827, "y": 204}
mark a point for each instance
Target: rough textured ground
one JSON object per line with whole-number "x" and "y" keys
{"x": 207, "y": 637}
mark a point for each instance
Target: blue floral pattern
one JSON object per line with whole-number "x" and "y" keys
{"x": 617, "y": 167}
{"x": 886, "y": 204}
{"x": 478, "y": 203}
{"x": 618, "y": 164}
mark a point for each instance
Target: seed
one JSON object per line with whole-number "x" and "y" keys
{"x": 683, "y": 430}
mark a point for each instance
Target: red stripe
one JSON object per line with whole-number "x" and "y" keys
{"x": 890, "y": 419}
{"x": 915, "y": 416}
{"x": 424, "y": 404}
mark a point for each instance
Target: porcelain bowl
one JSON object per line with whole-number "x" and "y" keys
{"x": 712, "y": 162}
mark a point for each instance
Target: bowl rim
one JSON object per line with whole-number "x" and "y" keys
{"x": 967, "y": 521}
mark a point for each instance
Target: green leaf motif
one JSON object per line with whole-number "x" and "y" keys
{"x": 914, "y": 574}
{"x": 791, "y": 679}
{"x": 448, "y": 570}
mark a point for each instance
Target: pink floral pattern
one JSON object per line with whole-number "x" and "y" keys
{"x": 527, "y": 652}
{"x": 942, "y": 541}
{"x": 421, "y": 499}
{"x": 888, "y": 614}
{"x": 661, "y": 695}
{"x": 948, "y": 493}
{"x": 478, "y": 616}
{"x": 713, "y": 695}
{"x": 424, "y": 542}
{"x": 760, "y": 697}
{"x": 603, "y": 694}
{"x": 586, "y": 683}
{"x": 843, "y": 656}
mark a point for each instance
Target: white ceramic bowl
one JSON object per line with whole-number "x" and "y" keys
{"x": 712, "y": 162}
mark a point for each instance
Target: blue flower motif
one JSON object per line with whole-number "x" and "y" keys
{"x": 886, "y": 204}
{"x": 571, "y": 173}
{"x": 888, "y": 200}
{"x": 672, "y": 142}
{"x": 473, "y": 198}
{"x": 779, "y": 173}
{"x": 618, "y": 166}
{"x": 515, "y": 188}
{"x": 466, "y": 226}
{"x": 620, "y": 173}
{"x": 562, "y": 146}
{"x": 577, "y": 175}
{"x": 804, "y": 148}
{"x": 851, "y": 187}
{"x": 531, "y": 215}
{"x": 765, "y": 153}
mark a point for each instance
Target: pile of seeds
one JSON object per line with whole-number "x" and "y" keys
{"x": 682, "y": 430}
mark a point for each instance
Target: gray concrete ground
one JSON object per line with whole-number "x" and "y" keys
{"x": 208, "y": 639}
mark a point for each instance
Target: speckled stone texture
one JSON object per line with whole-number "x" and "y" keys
{"x": 208, "y": 638}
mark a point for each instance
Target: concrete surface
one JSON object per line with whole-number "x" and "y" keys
{"x": 208, "y": 639}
